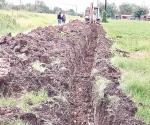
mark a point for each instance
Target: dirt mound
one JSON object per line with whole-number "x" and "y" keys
{"x": 66, "y": 62}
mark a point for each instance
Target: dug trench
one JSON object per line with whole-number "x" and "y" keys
{"x": 72, "y": 64}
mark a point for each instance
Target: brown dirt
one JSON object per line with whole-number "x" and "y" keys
{"x": 60, "y": 60}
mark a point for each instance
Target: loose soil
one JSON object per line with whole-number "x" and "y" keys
{"x": 65, "y": 61}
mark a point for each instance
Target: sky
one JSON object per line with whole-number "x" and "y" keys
{"x": 80, "y": 4}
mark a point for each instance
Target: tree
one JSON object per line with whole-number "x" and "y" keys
{"x": 41, "y": 7}
{"x": 29, "y": 7}
{"x": 139, "y": 11}
{"x": 111, "y": 9}
{"x": 2, "y": 4}
{"x": 126, "y": 8}
{"x": 57, "y": 9}
{"x": 71, "y": 12}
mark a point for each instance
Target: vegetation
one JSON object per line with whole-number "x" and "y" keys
{"x": 2, "y": 3}
{"x": 21, "y": 21}
{"x": 111, "y": 9}
{"x": 132, "y": 9}
{"x": 125, "y": 8}
{"x": 39, "y": 7}
{"x": 139, "y": 11}
{"x": 71, "y": 12}
{"x": 16, "y": 122}
{"x": 133, "y": 37}
{"x": 26, "y": 102}
{"x": 104, "y": 19}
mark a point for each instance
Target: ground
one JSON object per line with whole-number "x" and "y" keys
{"x": 133, "y": 37}
{"x": 62, "y": 75}
{"x": 131, "y": 50}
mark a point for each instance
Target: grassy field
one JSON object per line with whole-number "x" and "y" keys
{"x": 133, "y": 37}
{"x": 20, "y": 21}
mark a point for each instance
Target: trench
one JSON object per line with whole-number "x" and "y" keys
{"x": 70, "y": 63}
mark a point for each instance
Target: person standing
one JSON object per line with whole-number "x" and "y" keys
{"x": 59, "y": 18}
{"x": 63, "y": 18}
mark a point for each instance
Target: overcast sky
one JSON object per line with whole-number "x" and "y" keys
{"x": 81, "y": 4}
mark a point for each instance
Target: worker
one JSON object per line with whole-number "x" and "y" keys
{"x": 63, "y": 18}
{"x": 59, "y": 18}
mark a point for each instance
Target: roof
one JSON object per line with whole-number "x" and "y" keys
{"x": 125, "y": 15}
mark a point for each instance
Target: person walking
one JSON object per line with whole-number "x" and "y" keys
{"x": 59, "y": 18}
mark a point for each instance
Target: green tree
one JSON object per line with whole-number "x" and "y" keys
{"x": 2, "y": 4}
{"x": 111, "y": 9}
{"x": 71, "y": 12}
{"x": 40, "y": 7}
{"x": 57, "y": 9}
{"x": 126, "y": 8}
{"x": 139, "y": 11}
{"x": 29, "y": 7}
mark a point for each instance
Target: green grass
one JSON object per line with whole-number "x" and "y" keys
{"x": 33, "y": 98}
{"x": 133, "y": 36}
{"x": 21, "y": 21}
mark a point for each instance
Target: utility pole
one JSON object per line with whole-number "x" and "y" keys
{"x": 105, "y": 5}
{"x": 104, "y": 19}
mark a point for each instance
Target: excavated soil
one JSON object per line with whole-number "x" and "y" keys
{"x": 66, "y": 62}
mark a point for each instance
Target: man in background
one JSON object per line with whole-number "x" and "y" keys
{"x": 59, "y": 18}
{"x": 63, "y": 18}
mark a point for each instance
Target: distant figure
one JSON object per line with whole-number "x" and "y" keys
{"x": 63, "y": 18}
{"x": 59, "y": 18}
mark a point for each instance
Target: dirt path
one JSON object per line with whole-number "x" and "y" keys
{"x": 67, "y": 62}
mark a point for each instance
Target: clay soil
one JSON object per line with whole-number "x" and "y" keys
{"x": 70, "y": 58}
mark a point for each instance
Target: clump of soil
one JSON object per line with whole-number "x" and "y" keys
{"x": 60, "y": 60}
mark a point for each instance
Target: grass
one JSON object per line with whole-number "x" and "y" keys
{"x": 21, "y": 21}
{"x": 16, "y": 122}
{"x": 26, "y": 102}
{"x": 133, "y": 37}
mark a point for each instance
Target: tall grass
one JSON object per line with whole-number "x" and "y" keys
{"x": 7, "y": 23}
{"x": 21, "y": 21}
{"x": 133, "y": 37}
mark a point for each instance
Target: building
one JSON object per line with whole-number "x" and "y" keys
{"x": 128, "y": 17}
{"x": 145, "y": 17}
